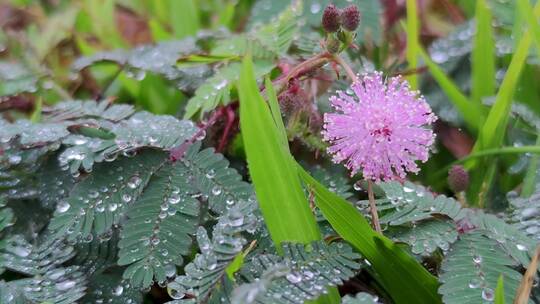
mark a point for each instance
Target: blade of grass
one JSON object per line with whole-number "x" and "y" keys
{"x": 471, "y": 112}
{"x": 494, "y": 128}
{"x": 498, "y": 151}
{"x": 281, "y": 197}
{"x": 492, "y": 133}
{"x": 483, "y": 54}
{"x": 400, "y": 274}
{"x": 527, "y": 12}
{"x": 184, "y": 17}
{"x": 499, "y": 291}
{"x": 412, "y": 41}
{"x": 36, "y": 113}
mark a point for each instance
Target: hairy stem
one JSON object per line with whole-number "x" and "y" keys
{"x": 373, "y": 208}
{"x": 346, "y": 67}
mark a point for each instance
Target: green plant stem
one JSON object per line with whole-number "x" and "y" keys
{"x": 490, "y": 152}
{"x": 373, "y": 208}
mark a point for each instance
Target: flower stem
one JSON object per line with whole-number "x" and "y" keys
{"x": 346, "y": 67}
{"x": 373, "y": 208}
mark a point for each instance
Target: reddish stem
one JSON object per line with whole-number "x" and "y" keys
{"x": 230, "y": 121}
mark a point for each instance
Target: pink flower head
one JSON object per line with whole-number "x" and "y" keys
{"x": 381, "y": 128}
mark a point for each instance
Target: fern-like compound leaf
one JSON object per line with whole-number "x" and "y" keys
{"x": 111, "y": 288}
{"x": 160, "y": 227}
{"x": 426, "y": 236}
{"x": 303, "y": 273}
{"x": 100, "y": 201}
{"x": 210, "y": 173}
{"x": 17, "y": 254}
{"x": 526, "y": 214}
{"x": 208, "y": 270}
{"x": 471, "y": 269}
{"x": 159, "y": 59}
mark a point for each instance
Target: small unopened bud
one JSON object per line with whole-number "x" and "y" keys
{"x": 330, "y": 19}
{"x": 458, "y": 179}
{"x": 294, "y": 99}
{"x": 350, "y": 18}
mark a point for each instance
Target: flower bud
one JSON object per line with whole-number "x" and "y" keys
{"x": 350, "y": 18}
{"x": 458, "y": 179}
{"x": 330, "y": 19}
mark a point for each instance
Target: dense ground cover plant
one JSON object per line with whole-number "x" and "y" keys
{"x": 269, "y": 151}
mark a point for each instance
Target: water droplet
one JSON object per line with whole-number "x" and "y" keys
{"x": 407, "y": 189}
{"x": 294, "y": 278}
{"x": 62, "y": 207}
{"x": 521, "y": 247}
{"x": 475, "y": 283}
{"x": 477, "y": 259}
{"x": 126, "y": 198}
{"x": 488, "y": 294}
{"x": 118, "y": 290}
{"x": 65, "y": 285}
{"x": 216, "y": 190}
{"x": 315, "y": 8}
{"x": 134, "y": 182}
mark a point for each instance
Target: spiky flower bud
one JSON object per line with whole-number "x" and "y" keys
{"x": 294, "y": 99}
{"x": 458, "y": 179}
{"x": 330, "y": 19}
{"x": 350, "y": 18}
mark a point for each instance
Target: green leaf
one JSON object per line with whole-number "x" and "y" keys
{"x": 271, "y": 167}
{"x": 184, "y": 17}
{"x": 272, "y": 170}
{"x": 159, "y": 227}
{"x": 493, "y": 131}
{"x": 303, "y": 273}
{"x": 216, "y": 89}
{"x": 471, "y": 268}
{"x": 98, "y": 202}
{"x": 402, "y": 276}
{"x": 499, "y": 291}
{"x": 483, "y": 54}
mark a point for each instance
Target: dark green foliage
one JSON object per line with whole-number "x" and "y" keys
{"x": 159, "y": 227}
{"x": 303, "y": 273}
{"x": 471, "y": 269}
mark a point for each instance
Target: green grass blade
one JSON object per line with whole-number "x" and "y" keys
{"x": 401, "y": 275}
{"x": 184, "y": 17}
{"x": 499, "y": 291}
{"x": 277, "y": 185}
{"x": 527, "y": 12}
{"x": 471, "y": 112}
{"x": 483, "y": 54}
{"x": 276, "y": 114}
{"x": 273, "y": 171}
{"x": 412, "y": 29}
{"x": 494, "y": 128}
{"x": 492, "y": 133}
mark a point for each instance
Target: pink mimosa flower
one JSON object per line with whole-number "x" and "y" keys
{"x": 380, "y": 129}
